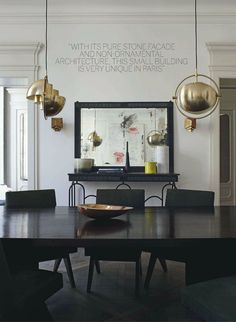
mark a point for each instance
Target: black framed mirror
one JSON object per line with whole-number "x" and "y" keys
{"x": 102, "y": 130}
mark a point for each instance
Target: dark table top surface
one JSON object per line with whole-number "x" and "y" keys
{"x": 148, "y": 226}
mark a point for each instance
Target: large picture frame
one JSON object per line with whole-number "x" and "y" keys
{"x": 102, "y": 130}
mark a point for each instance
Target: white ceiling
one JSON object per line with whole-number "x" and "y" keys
{"x": 129, "y": 11}
{"x": 12, "y": 7}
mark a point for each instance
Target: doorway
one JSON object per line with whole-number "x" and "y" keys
{"x": 19, "y": 66}
{"x": 228, "y": 141}
{"x": 16, "y": 138}
{"x": 14, "y": 134}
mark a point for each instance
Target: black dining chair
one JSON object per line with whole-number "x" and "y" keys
{"x": 212, "y": 300}
{"x": 123, "y": 197}
{"x": 189, "y": 198}
{"x": 23, "y": 294}
{"x": 36, "y": 199}
{"x": 178, "y": 198}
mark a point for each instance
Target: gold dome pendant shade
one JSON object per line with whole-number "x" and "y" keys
{"x": 36, "y": 90}
{"x": 199, "y": 98}
{"x": 95, "y": 139}
{"x": 93, "y": 136}
{"x": 47, "y": 98}
{"x": 154, "y": 138}
{"x": 42, "y": 93}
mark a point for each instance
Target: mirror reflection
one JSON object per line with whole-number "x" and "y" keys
{"x": 104, "y": 133}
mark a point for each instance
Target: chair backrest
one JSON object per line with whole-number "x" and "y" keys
{"x": 31, "y": 199}
{"x": 189, "y": 198}
{"x": 123, "y": 197}
{"x": 6, "y": 289}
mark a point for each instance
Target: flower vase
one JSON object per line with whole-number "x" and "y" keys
{"x": 162, "y": 158}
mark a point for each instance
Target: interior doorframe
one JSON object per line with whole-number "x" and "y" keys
{"x": 20, "y": 60}
{"x": 222, "y": 65}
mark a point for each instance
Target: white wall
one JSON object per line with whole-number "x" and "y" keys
{"x": 127, "y": 22}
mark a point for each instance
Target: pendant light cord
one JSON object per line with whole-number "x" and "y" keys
{"x": 46, "y": 39}
{"x": 195, "y": 14}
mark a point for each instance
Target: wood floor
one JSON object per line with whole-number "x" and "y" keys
{"x": 112, "y": 297}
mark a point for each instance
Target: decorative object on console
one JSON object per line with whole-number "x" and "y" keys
{"x": 150, "y": 167}
{"x": 41, "y": 92}
{"x": 83, "y": 165}
{"x": 57, "y": 123}
{"x": 197, "y": 99}
{"x": 127, "y": 163}
{"x": 162, "y": 158}
{"x": 111, "y": 170}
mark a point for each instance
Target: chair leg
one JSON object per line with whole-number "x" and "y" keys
{"x": 140, "y": 269}
{"x": 137, "y": 276}
{"x": 163, "y": 264}
{"x": 57, "y": 264}
{"x": 97, "y": 265}
{"x": 151, "y": 265}
{"x": 90, "y": 274}
{"x": 69, "y": 270}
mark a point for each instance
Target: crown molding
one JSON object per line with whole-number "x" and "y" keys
{"x": 119, "y": 17}
{"x": 19, "y": 68}
{"x": 25, "y": 47}
{"x": 221, "y": 46}
{"x": 222, "y": 56}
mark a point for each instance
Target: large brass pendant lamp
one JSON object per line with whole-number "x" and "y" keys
{"x": 196, "y": 99}
{"x": 41, "y": 92}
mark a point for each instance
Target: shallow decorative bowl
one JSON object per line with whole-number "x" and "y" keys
{"x": 102, "y": 211}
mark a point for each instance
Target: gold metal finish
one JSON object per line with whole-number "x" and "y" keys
{"x": 95, "y": 139}
{"x": 57, "y": 123}
{"x": 42, "y": 93}
{"x": 190, "y": 124}
{"x": 196, "y": 99}
{"x": 53, "y": 105}
{"x": 46, "y": 97}
{"x": 36, "y": 91}
{"x": 154, "y": 138}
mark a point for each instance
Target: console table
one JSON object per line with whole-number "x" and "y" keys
{"x": 168, "y": 179}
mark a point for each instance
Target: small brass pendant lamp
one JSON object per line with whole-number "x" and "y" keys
{"x": 93, "y": 136}
{"x": 197, "y": 99}
{"x": 154, "y": 137}
{"x": 41, "y": 92}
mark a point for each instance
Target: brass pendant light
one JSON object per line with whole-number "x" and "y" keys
{"x": 93, "y": 136}
{"x": 196, "y": 99}
{"x": 154, "y": 137}
{"x": 41, "y": 92}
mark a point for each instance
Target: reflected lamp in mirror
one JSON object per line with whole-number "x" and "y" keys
{"x": 57, "y": 123}
{"x": 119, "y": 124}
{"x": 95, "y": 139}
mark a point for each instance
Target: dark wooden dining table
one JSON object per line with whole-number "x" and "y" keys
{"x": 208, "y": 235}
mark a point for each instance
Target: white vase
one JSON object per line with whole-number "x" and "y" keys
{"x": 162, "y": 157}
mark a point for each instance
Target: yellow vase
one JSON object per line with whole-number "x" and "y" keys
{"x": 150, "y": 167}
